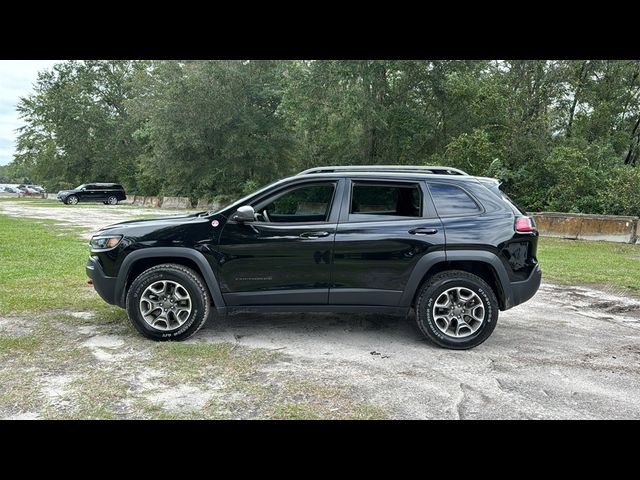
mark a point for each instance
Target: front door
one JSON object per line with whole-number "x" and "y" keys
{"x": 284, "y": 257}
{"x": 91, "y": 193}
{"x": 386, "y": 227}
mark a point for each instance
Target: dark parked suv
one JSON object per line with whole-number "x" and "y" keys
{"x": 385, "y": 239}
{"x": 107, "y": 193}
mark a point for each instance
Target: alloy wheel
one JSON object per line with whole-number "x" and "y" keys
{"x": 165, "y": 305}
{"x": 459, "y": 312}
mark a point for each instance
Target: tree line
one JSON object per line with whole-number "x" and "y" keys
{"x": 561, "y": 135}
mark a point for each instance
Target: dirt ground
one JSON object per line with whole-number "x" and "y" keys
{"x": 571, "y": 352}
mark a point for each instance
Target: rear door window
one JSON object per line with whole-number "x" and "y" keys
{"x": 377, "y": 201}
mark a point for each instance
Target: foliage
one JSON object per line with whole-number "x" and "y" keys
{"x": 562, "y": 135}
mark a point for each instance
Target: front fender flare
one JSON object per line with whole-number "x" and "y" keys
{"x": 179, "y": 252}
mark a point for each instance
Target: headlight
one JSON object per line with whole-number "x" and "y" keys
{"x": 105, "y": 242}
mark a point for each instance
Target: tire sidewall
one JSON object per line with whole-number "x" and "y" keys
{"x": 427, "y": 322}
{"x": 197, "y": 301}
{"x": 69, "y": 200}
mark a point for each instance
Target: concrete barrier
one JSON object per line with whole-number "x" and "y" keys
{"x": 152, "y": 202}
{"x": 138, "y": 200}
{"x": 208, "y": 205}
{"x": 9, "y": 195}
{"x": 176, "y": 202}
{"x": 129, "y": 200}
{"x": 610, "y": 228}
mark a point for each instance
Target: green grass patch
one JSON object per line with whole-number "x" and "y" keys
{"x": 22, "y": 343}
{"x": 194, "y": 358}
{"x": 586, "y": 262}
{"x": 41, "y": 268}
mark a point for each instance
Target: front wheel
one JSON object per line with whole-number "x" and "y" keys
{"x": 71, "y": 200}
{"x": 168, "y": 302}
{"x": 456, "y": 310}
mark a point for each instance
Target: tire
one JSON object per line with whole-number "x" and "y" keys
{"x": 448, "y": 332}
{"x": 112, "y": 200}
{"x": 150, "y": 281}
{"x": 71, "y": 200}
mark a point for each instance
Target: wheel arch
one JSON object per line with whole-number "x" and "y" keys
{"x": 484, "y": 264}
{"x": 140, "y": 260}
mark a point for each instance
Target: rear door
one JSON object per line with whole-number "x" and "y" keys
{"x": 385, "y": 228}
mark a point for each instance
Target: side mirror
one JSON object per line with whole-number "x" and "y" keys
{"x": 245, "y": 213}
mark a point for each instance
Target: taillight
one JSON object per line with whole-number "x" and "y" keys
{"x": 525, "y": 225}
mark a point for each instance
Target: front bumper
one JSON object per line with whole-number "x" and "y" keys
{"x": 524, "y": 290}
{"x": 103, "y": 284}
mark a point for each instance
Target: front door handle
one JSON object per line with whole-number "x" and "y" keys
{"x": 423, "y": 231}
{"x": 314, "y": 234}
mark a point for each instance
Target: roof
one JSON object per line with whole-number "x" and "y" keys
{"x": 425, "y": 169}
{"x": 391, "y": 171}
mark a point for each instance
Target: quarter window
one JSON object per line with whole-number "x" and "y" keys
{"x": 452, "y": 200}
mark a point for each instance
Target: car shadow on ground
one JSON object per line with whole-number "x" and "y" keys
{"x": 288, "y": 330}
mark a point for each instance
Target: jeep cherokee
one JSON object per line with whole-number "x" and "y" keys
{"x": 387, "y": 239}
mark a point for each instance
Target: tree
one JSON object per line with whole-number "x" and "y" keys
{"x": 552, "y": 131}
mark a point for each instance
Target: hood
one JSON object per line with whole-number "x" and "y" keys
{"x": 156, "y": 222}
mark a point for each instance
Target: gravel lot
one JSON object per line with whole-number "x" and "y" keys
{"x": 569, "y": 353}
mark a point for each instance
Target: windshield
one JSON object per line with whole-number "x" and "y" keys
{"x": 241, "y": 201}
{"x": 80, "y": 186}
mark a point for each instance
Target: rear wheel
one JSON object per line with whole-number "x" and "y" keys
{"x": 168, "y": 302}
{"x": 456, "y": 310}
{"x": 71, "y": 200}
{"x": 112, "y": 200}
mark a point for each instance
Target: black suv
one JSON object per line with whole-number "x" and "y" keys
{"x": 385, "y": 239}
{"x": 107, "y": 193}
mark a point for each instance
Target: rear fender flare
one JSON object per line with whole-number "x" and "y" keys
{"x": 431, "y": 259}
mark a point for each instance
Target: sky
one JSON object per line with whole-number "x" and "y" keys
{"x": 16, "y": 80}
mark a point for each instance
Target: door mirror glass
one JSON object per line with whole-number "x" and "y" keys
{"x": 244, "y": 214}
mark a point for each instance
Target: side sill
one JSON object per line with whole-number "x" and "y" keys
{"x": 385, "y": 310}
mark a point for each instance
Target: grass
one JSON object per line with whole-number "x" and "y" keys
{"x": 22, "y": 343}
{"x": 41, "y": 269}
{"x": 42, "y": 278}
{"x": 590, "y": 263}
{"x": 43, "y": 282}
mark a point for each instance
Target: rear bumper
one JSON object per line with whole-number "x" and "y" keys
{"x": 103, "y": 284}
{"x": 524, "y": 290}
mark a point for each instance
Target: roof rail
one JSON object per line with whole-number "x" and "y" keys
{"x": 386, "y": 168}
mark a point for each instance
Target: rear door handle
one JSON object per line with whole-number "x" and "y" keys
{"x": 423, "y": 231}
{"x": 314, "y": 234}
